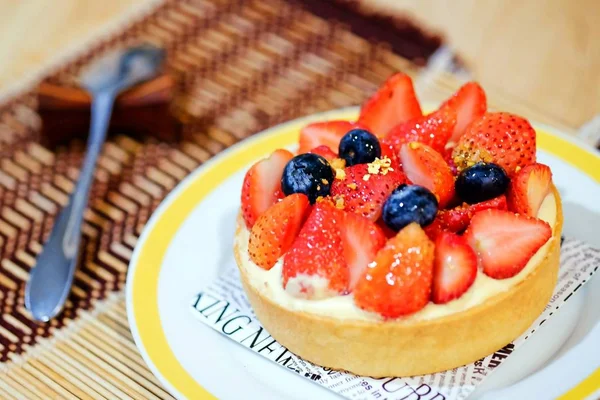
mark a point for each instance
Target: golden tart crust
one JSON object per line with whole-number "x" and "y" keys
{"x": 404, "y": 347}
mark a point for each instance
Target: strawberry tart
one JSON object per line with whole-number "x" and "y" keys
{"x": 402, "y": 243}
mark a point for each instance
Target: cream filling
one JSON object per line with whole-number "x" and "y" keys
{"x": 269, "y": 283}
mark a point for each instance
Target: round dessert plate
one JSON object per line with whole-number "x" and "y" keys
{"x": 189, "y": 240}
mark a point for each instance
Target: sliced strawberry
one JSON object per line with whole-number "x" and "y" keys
{"x": 262, "y": 185}
{"x": 501, "y": 138}
{"x": 364, "y": 193}
{"x": 395, "y": 102}
{"x": 361, "y": 239}
{"x": 528, "y": 189}
{"x": 425, "y": 167}
{"x": 447, "y": 155}
{"x": 398, "y": 282}
{"x": 505, "y": 242}
{"x": 433, "y": 130}
{"x": 315, "y": 267}
{"x": 276, "y": 229}
{"x": 389, "y": 233}
{"x": 454, "y": 268}
{"x": 469, "y": 103}
{"x": 328, "y": 133}
{"x": 388, "y": 150}
{"x": 325, "y": 152}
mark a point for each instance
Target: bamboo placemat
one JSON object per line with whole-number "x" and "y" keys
{"x": 241, "y": 66}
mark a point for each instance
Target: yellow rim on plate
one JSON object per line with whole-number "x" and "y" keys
{"x": 147, "y": 260}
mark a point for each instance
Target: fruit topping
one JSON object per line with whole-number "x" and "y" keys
{"x": 454, "y": 268}
{"x": 307, "y": 173}
{"x": 469, "y": 103}
{"x": 262, "y": 185}
{"x": 398, "y": 282}
{"x": 361, "y": 240}
{"x": 528, "y": 189}
{"x": 407, "y": 204}
{"x": 433, "y": 130}
{"x": 504, "y": 241}
{"x": 328, "y": 133}
{"x": 365, "y": 187}
{"x": 389, "y": 151}
{"x": 501, "y": 138}
{"x": 481, "y": 182}
{"x": 325, "y": 152}
{"x": 457, "y": 219}
{"x": 359, "y": 147}
{"x": 425, "y": 167}
{"x": 275, "y": 230}
{"x": 395, "y": 102}
{"x": 314, "y": 267}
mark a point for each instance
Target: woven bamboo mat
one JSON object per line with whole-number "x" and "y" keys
{"x": 240, "y": 67}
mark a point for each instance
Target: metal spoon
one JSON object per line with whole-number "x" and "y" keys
{"x": 50, "y": 281}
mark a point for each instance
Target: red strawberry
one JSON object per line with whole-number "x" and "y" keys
{"x": 425, "y": 167}
{"x": 361, "y": 239}
{"x": 454, "y": 268}
{"x": 327, "y": 133}
{"x": 528, "y": 189}
{"x": 262, "y": 185}
{"x": 398, "y": 282}
{"x": 395, "y": 102}
{"x": 469, "y": 103}
{"x": 447, "y": 155}
{"x": 275, "y": 230}
{"x": 504, "y": 241}
{"x": 325, "y": 152}
{"x": 365, "y": 193}
{"x": 433, "y": 130}
{"x": 315, "y": 267}
{"x": 458, "y": 218}
{"x": 502, "y": 138}
{"x": 387, "y": 231}
{"x": 388, "y": 150}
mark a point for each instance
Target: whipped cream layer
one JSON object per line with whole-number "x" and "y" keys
{"x": 270, "y": 284}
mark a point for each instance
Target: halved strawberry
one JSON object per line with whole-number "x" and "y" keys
{"x": 314, "y": 267}
{"x": 262, "y": 185}
{"x": 454, "y": 268}
{"x": 528, "y": 189}
{"x": 364, "y": 193}
{"x": 325, "y": 152}
{"x": 398, "y": 282}
{"x": 361, "y": 239}
{"x": 433, "y": 130}
{"x": 388, "y": 150}
{"x": 395, "y": 102}
{"x": 501, "y": 138}
{"x": 469, "y": 103}
{"x": 505, "y": 242}
{"x": 328, "y": 133}
{"x": 276, "y": 229}
{"x": 457, "y": 219}
{"x": 425, "y": 167}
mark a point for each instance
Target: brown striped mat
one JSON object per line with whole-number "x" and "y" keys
{"x": 240, "y": 66}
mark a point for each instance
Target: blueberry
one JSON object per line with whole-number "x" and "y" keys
{"x": 359, "y": 146}
{"x": 409, "y": 203}
{"x": 482, "y": 181}
{"x": 307, "y": 173}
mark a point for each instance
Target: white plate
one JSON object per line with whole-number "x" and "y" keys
{"x": 190, "y": 236}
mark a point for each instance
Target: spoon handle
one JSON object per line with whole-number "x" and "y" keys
{"x": 50, "y": 281}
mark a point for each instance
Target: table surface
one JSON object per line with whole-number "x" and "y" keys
{"x": 93, "y": 355}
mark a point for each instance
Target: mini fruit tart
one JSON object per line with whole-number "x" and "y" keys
{"x": 401, "y": 244}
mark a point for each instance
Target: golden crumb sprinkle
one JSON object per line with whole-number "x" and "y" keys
{"x": 518, "y": 168}
{"x": 414, "y": 145}
{"x": 338, "y": 163}
{"x": 339, "y": 202}
{"x": 366, "y": 177}
{"x": 340, "y": 174}
{"x": 320, "y": 199}
{"x": 324, "y": 181}
{"x": 380, "y": 166}
{"x": 352, "y": 186}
